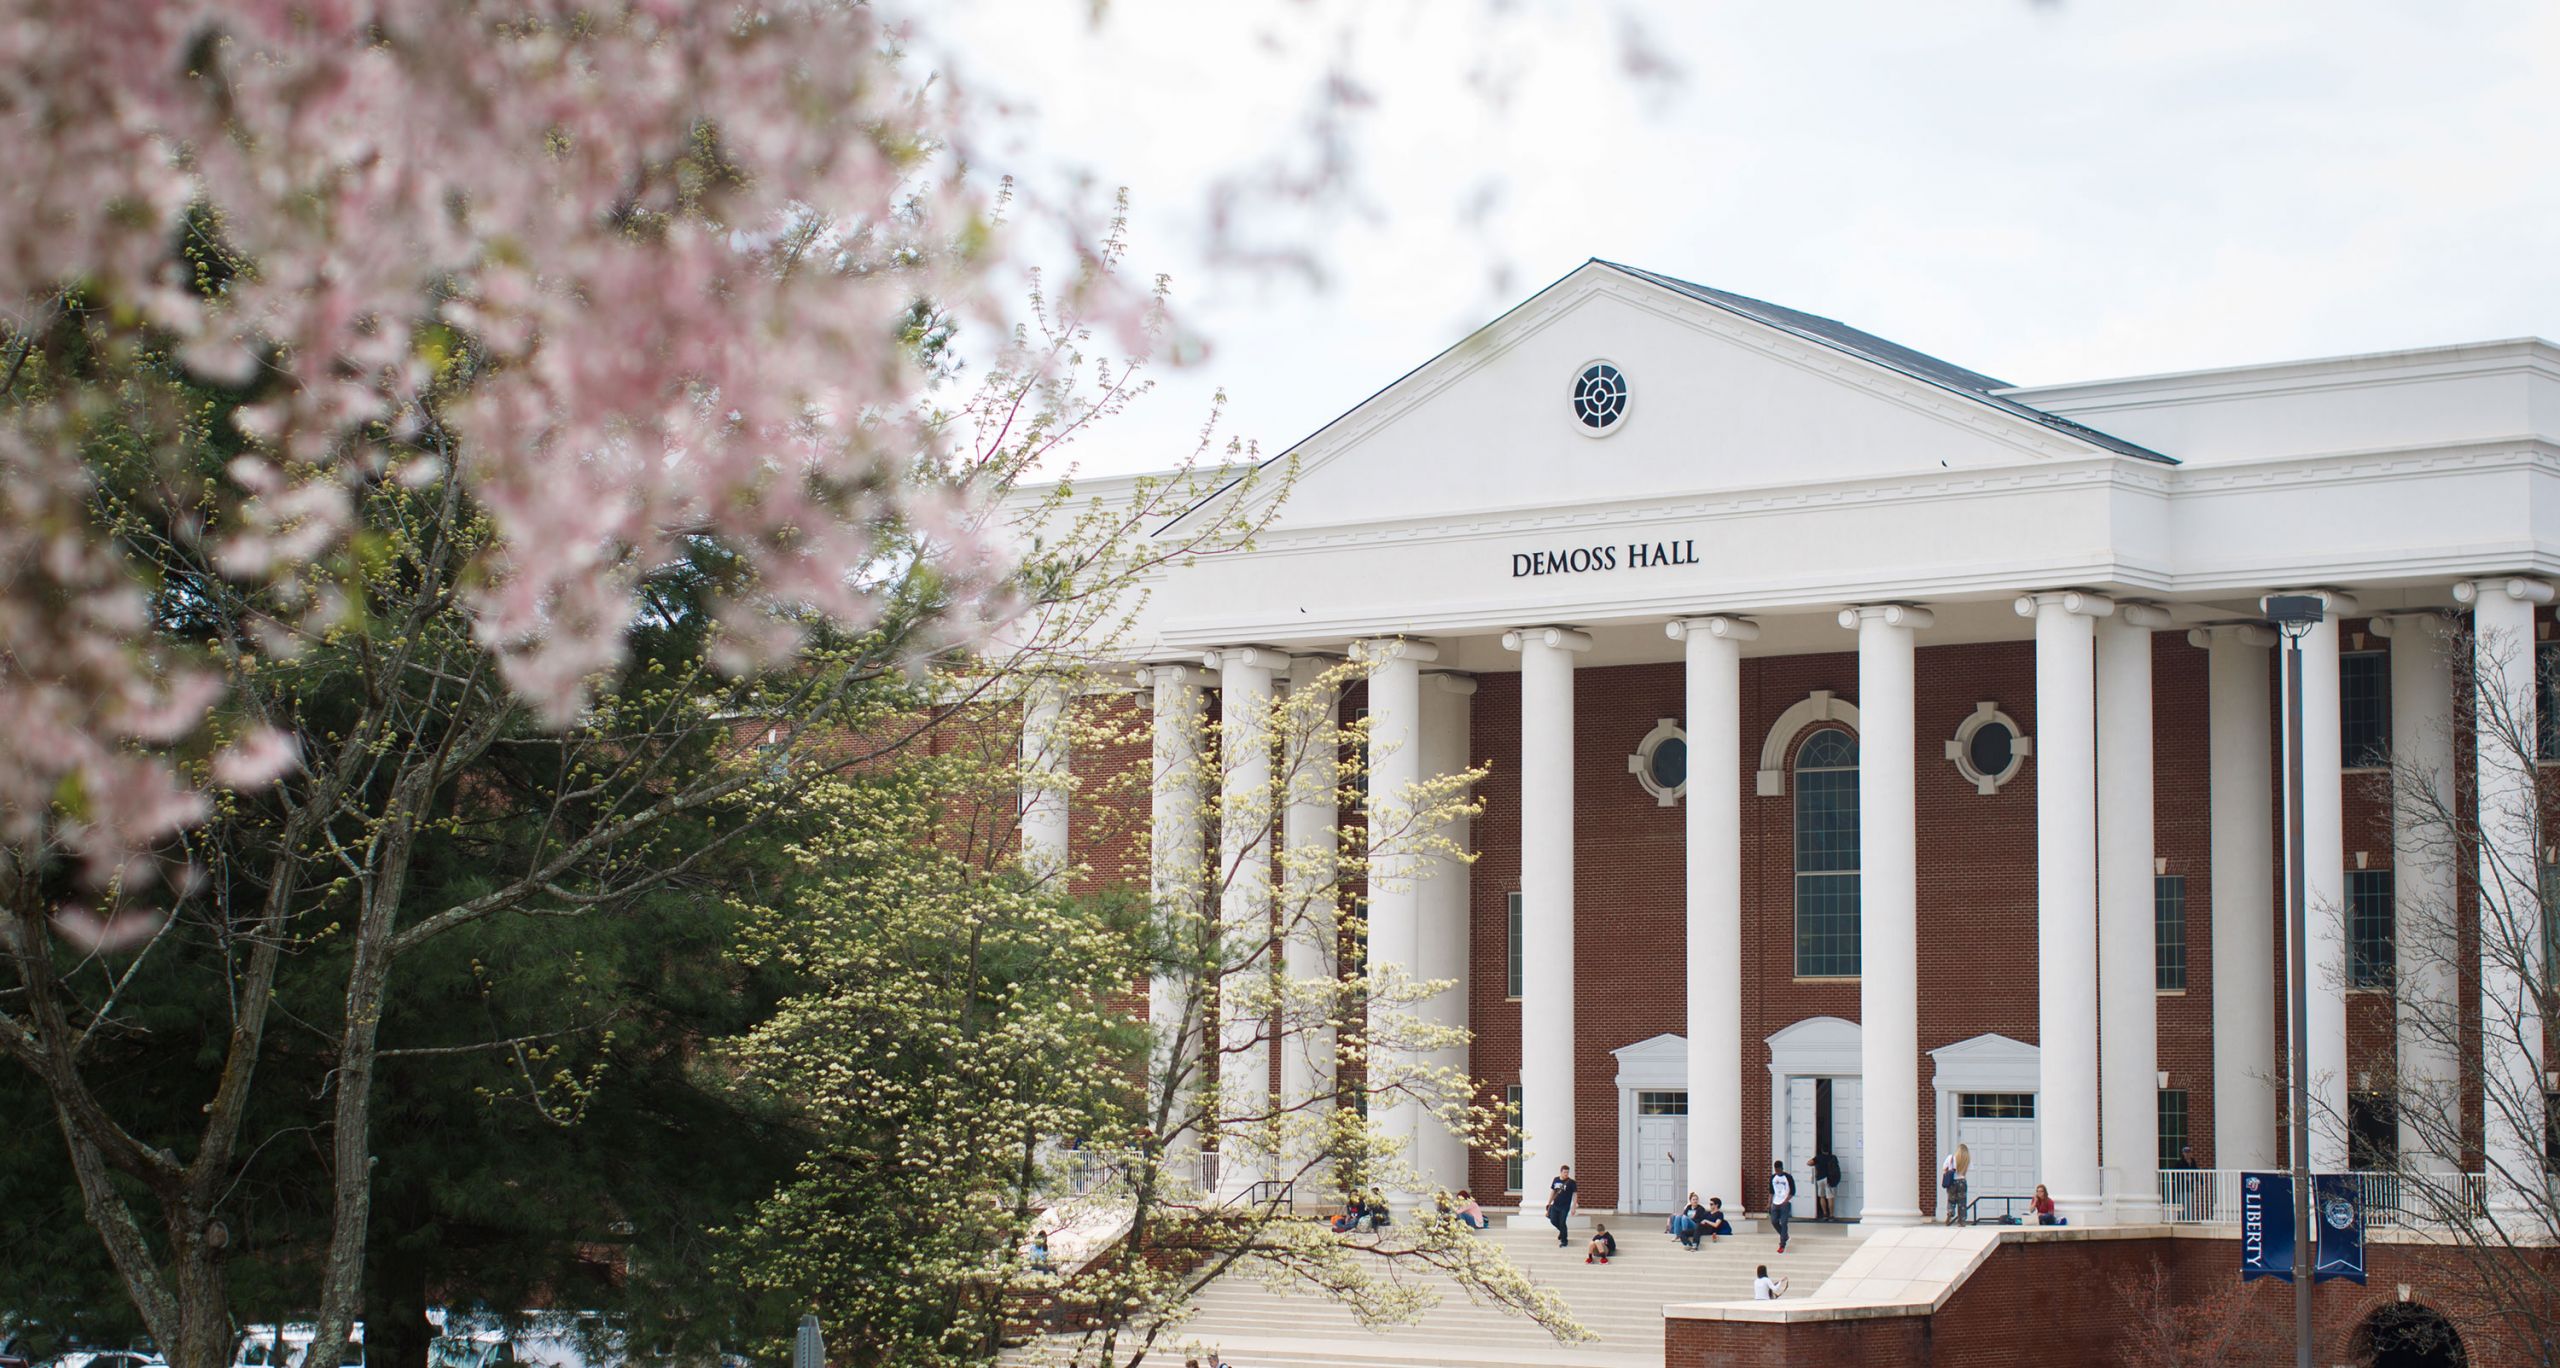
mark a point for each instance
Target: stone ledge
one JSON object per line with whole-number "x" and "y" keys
{"x": 1908, "y": 1271}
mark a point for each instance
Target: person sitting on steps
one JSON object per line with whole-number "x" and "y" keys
{"x": 1470, "y": 1212}
{"x": 1714, "y": 1225}
{"x": 1766, "y": 1288}
{"x": 1689, "y": 1222}
{"x": 1603, "y": 1244}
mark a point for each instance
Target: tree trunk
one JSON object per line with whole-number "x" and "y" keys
{"x": 204, "y": 1296}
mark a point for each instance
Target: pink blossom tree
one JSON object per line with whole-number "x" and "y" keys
{"x": 400, "y": 355}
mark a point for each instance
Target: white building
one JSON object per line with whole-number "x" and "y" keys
{"x": 1868, "y": 736}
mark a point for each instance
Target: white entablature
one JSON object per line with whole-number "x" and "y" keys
{"x": 1782, "y": 465}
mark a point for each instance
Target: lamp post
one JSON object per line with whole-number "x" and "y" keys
{"x": 2295, "y": 615}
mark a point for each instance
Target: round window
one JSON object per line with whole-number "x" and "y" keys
{"x": 1987, "y": 749}
{"x": 1661, "y": 762}
{"x": 1991, "y": 747}
{"x": 1670, "y": 763}
{"x": 1599, "y": 398}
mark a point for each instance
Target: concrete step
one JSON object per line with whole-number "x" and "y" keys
{"x": 1621, "y": 1303}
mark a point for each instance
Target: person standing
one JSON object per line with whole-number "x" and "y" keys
{"x": 1560, "y": 1190}
{"x": 1782, "y": 1194}
{"x": 1826, "y": 1185}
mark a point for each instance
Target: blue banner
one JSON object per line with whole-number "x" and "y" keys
{"x": 2337, "y": 1209}
{"x": 2266, "y": 1226}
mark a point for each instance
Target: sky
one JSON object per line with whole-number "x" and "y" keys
{"x": 2040, "y": 191}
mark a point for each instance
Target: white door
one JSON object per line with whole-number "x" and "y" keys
{"x": 1662, "y": 1150}
{"x": 2000, "y": 1130}
{"x": 1810, "y": 1102}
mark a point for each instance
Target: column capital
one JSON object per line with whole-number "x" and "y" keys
{"x": 2518, "y": 587}
{"x": 1453, "y": 682}
{"x": 1890, "y": 614}
{"x": 2335, "y": 603}
{"x": 1713, "y": 625}
{"x": 2148, "y": 617}
{"x": 2241, "y": 633}
{"x": 1251, "y": 657}
{"x": 1558, "y": 638}
{"x": 2079, "y": 602}
{"x": 2388, "y": 625}
{"x": 1166, "y": 674}
{"x": 1378, "y": 650}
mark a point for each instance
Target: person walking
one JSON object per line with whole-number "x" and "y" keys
{"x": 1560, "y": 1190}
{"x": 1782, "y": 1194}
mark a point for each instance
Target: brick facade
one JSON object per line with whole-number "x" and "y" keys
{"x": 2033, "y": 1304}
{"x": 1976, "y": 889}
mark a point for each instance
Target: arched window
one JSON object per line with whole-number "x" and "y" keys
{"x": 1827, "y": 855}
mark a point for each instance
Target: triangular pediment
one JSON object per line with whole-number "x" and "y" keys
{"x": 1721, "y": 394}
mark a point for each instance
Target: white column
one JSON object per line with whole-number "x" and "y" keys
{"x": 2067, "y": 897}
{"x": 2128, "y": 951}
{"x": 1546, "y": 900}
{"x": 2422, "y": 880}
{"x": 2505, "y": 732}
{"x": 1248, "y": 810}
{"x": 1442, "y": 952}
{"x": 1310, "y": 907}
{"x": 1178, "y": 880}
{"x": 2324, "y": 856}
{"x": 1714, "y": 883}
{"x": 1045, "y": 781}
{"x": 1888, "y": 909}
{"x": 2247, "y": 1074}
{"x": 1395, "y": 880}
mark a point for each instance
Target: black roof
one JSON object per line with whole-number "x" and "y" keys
{"x": 1891, "y": 355}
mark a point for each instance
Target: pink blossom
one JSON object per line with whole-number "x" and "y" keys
{"x": 661, "y": 347}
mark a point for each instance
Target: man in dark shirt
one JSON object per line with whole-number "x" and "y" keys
{"x": 1560, "y": 1190}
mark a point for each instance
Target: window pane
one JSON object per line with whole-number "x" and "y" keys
{"x": 1669, "y": 762}
{"x": 1991, "y": 749}
{"x": 1511, "y": 1166}
{"x": 1996, "y": 1106}
{"x": 2373, "y": 1132}
{"x": 2546, "y": 678}
{"x": 2364, "y": 707}
{"x": 1662, "y": 1104}
{"x": 1827, "y": 855}
{"x": 2173, "y": 1128}
{"x": 2369, "y": 927}
{"x": 1511, "y": 969}
{"x": 2169, "y": 931}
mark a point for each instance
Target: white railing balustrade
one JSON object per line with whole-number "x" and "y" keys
{"x": 2212, "y": 1196}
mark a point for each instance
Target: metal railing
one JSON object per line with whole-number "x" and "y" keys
{"x": 1997, "y": 1209}
{"x": 1277, "y": 1194}
{"x": 2212, "y": 1196}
